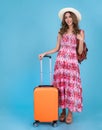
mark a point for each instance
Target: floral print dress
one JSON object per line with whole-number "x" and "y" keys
{"x": 67, "y": 75}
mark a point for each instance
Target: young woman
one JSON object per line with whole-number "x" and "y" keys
{"x": 66, "y": 72}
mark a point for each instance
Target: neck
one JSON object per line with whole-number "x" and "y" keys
{"x": 70, "y": 28}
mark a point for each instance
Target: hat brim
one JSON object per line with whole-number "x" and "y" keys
{"x": 76, "y": 12}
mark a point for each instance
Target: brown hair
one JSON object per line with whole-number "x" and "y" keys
{"x": 64, "y": 25}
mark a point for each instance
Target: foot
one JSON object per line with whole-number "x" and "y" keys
{"x": 62, "y": 116}
{"x": 69, "y": 118}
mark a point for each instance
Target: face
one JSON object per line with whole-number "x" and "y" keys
{"x": 68, "y": 19}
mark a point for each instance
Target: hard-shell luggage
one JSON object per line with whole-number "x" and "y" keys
{"x": 45, "y": 101}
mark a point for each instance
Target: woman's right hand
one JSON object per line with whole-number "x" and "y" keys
{"x": 41, "y": 55}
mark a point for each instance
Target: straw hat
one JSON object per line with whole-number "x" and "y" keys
{"x": 76, "y": 12}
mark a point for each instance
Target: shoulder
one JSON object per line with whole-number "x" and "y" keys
{"x": 59, "y": 36}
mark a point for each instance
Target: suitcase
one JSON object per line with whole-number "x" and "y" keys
{"x": 45, "y": 101}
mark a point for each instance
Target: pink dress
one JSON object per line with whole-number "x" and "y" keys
{"x": 67, "y": 75}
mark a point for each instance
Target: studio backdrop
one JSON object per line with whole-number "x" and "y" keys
{"x": 30, "y": 27}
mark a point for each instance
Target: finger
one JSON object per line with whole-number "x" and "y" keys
{"x": 40, "y": 57}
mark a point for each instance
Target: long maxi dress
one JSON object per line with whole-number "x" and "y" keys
{"x": 67, "y": 75}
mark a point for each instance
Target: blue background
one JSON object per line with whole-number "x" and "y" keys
{"x": 30, "y": 27}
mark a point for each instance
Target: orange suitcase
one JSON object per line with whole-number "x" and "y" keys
{"x": 45, "y": 102}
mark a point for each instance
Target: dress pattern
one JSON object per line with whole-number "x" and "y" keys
{"x": 67, "y": 75}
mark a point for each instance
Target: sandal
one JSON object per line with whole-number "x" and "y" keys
{"x": 62, "y": 117}
{"x": 69, "y": 119}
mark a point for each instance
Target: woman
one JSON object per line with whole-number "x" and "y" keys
{"x": 66, "y": 72}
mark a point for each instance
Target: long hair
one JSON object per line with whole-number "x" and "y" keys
{"x": 65, "y": 27}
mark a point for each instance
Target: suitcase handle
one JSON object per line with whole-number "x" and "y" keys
{"x": 41, "y": 71}
{"x": 47, "y": 56}
{"x": 45, "y": 86}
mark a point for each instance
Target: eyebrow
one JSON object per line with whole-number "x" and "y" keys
{"x": 67, "y": 16}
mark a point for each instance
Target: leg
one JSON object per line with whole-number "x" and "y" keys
{"x": 69, "y": 117}
{"x": 63, "y": 115}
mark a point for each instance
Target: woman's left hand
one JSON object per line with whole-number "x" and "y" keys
{"x": 80, "y": 36}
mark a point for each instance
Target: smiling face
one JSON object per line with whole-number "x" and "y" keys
{"x": 68, "y": 19}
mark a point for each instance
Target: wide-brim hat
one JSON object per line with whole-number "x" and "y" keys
{"x": 76, "y": 12}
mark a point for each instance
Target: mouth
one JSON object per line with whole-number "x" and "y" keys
{"x": 69, "y": 22}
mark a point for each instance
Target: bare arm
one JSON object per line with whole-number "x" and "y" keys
{"x": 53, "y": 50}
{"x": 80, "y": 37}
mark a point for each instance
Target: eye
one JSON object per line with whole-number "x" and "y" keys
{"x": 65, "y": 17}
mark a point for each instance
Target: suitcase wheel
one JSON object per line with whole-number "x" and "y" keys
{"x": 36, "y": 123}
{"x": 54, "y": 124}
